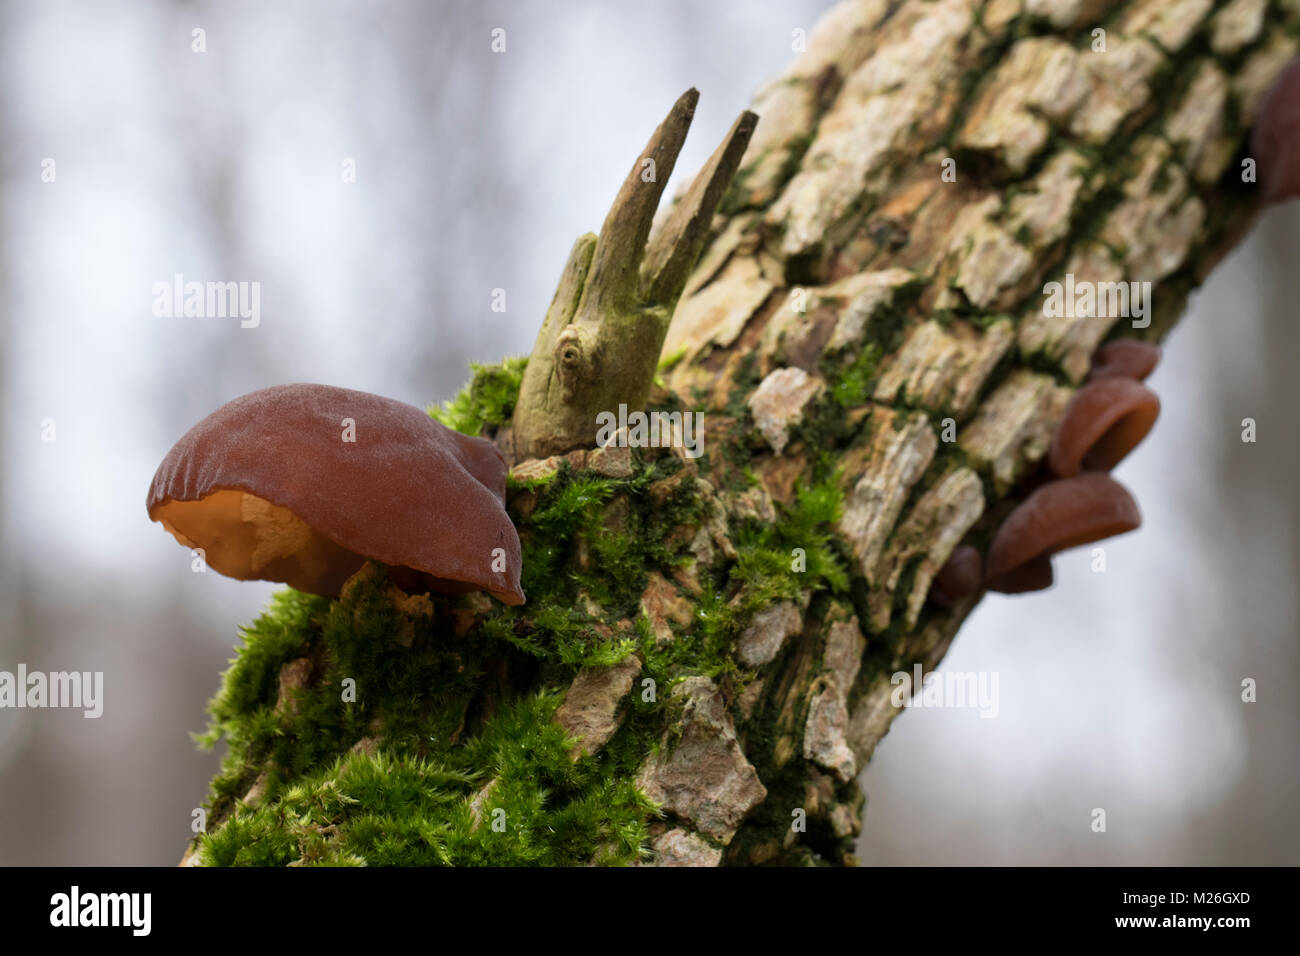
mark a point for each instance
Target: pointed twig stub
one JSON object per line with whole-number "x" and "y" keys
{"x": 600, "y": 353}
{"x": 614, "y": 268}
{"x": 673, "y": 250}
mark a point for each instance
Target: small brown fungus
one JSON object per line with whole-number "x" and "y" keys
{"x": 1034, "y": 575}
{"x": 302, "y": 484}
{"x": 1275, "y": 140}
{"x": 1104, "y": 421}
{"x": 1060, "y": 515}
{"x": 1124, "y": 358}
{"x": 959, "y": 578}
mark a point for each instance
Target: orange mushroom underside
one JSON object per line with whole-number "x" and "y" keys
{"x": 1106, "y": 420}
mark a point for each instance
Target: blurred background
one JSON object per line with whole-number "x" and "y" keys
{"x": 476, "y": 171}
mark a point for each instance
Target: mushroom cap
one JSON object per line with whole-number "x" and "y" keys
{"x": 1124, "y": 358}
{"x": 1034, "y": 575}
{"x": 1059, "y": 515}
{"x": 1104, "y": 421}
{"x": 1275, "y": 139}
{"x": 269, "y": 488}
{"x": 959, "y": 577}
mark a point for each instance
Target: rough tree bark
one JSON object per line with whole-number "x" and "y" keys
{"x": 865, "y": 334}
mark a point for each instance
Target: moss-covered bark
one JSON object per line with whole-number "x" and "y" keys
{"x": 721, "y": 631}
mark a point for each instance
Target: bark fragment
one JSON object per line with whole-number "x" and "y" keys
{"x": 703, "y": 775}
{"x": 779, "y": 401}
{"x": 763, "y": 639}
{"x": 592, "y": 709}
{"x": 678, "y": 847}
{"x": 900, "y": 451}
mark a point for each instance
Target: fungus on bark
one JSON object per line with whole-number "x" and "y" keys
{"x": 1059, "y": 515}
{"x": 1124, "y": 358}
{"x": 1035, "y": 574}
{"x": 302, "y": 484}
{"x": 959, "y": 577}
{"x": 1104, "y": 421}
{"x": 1275, "y": 140}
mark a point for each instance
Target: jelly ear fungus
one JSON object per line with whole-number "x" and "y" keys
{"x": 1275, "y": 138}
{"x": 276, "y": 485}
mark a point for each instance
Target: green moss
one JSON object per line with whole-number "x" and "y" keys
{"x": 599, "y": 535}
{"x": 270, "y": 642}
{"x": 413, "y": 693}
{"x": 853, "y": 385}
{"x": 487, "y": 401}
{"x": 398, "y": 808}
{"x": 571, "y": 501}
{"x": 436, "y": 737}
{"x": 851, "y": 373}
{"x": 808, "y": 525}
{"x": 671, "y": 360}
{"x": 762, "y": 574}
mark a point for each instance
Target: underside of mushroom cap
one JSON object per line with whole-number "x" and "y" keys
{"x": 1104, "y": 421}
{"x": 1060, "y": 515}
{"x": 302, "y": 483}
{"x": 1124, "y": 358}
{"x": 1275, "y": 139}
{"x": 1034, "y": 575}
{"x": 959, "y": 577}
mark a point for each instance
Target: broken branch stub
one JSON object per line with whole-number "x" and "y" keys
{"x": 673, "y": 250}
{"x": 600, "y": 341}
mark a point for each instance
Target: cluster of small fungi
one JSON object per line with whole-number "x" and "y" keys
{"x": 1080, "y": 503}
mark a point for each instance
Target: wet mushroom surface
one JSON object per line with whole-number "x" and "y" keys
{"x": 959, "y": 578}
{"x": 302, "y": 484}
{"x": 1060, "y": 515}
{"x": 1124, "y": 358}
{"x": 1104, "y": 421}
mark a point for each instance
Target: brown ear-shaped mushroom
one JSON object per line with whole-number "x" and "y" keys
{"x": 1275, "y": 140}
{"x": 303, "y": 483}
{"x": 1124, "y": 358}
{"x": 1104, "y": 421}
{"x": 959, "y": 578}
{"x": 1059, "y": 515}
{"x": 1034, "y": 575}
